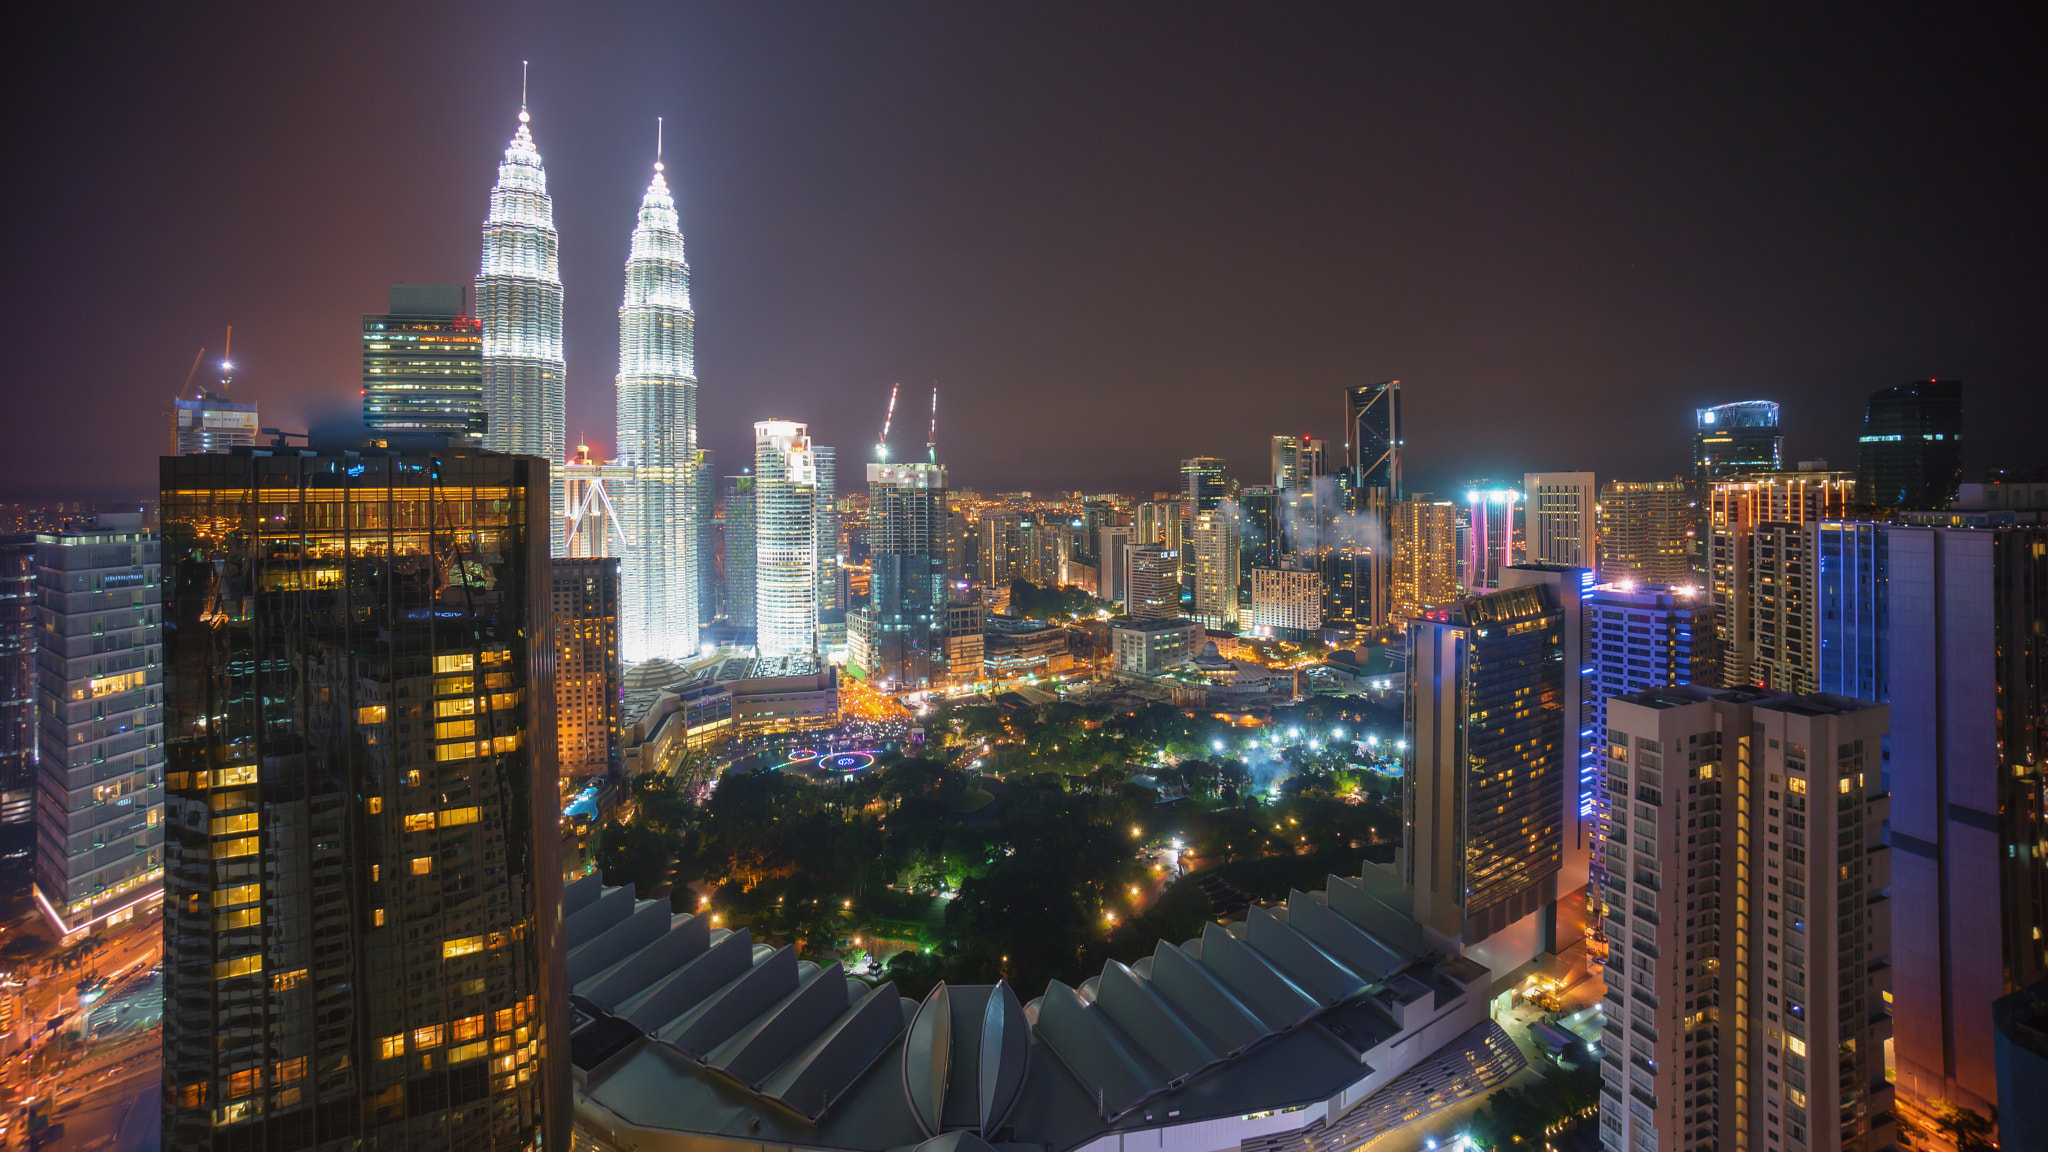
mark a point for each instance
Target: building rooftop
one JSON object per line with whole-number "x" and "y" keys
{"x": 1680, "y": 695}
{"x": 1157, "y": 624}
{"x": 686, "y": 1028}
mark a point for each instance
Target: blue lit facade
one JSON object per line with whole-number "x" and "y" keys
{"x": 1854, "y": 610}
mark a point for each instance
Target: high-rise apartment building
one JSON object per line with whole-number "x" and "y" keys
{"x": 519, "y": 302}
{"x": 1762, "y": 569}
{"x": 1260, "y": 516}
{"x": 587, "y": 687}
{"x": 1561, "y": 527}
{"x": 1640, "y": 636}
{"x": 1911, "y": 452}
{"x": 1484, "y": 793}
{"x": 1155, "y": 583}
{"x": 1425, "y": 563}
{"x": 1733, "y": 440}
{"x": 1215, "y": 546}
{"x": 1158, "y": 522}
{"x": 899, "y": 639}
{"x": 423, "y": 368}
{"x": 739, "y": 550}
{"x": 1287, "y": 604}
{"x": 18, "y": 624}
{"x": 1645, "y": 530}
{"x": 1492, "y": 541}
{"x": 786, "y": 560}
{"x": 1968, "y": 660}
{"x": 1748, "y": 938}
{"x": 99, "y": 667}
{"x": 657, "y": 413}
{"x": 1001, "y": 548}
{"x": 362, "y": 935}
{"x": 1286, "y": 462}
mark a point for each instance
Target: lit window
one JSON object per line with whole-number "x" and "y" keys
{"x": 290, "y": 1070}
{"x": 428, "y": 1037}
{"x": 370, "y": 714}
{"x": 229, "y": 849}
{"x": 421, "y": 865}
{"x": 374, "y": 805}
{"x": 229, "y": 825}
{"x": 469, "y": 1052}
{"x": 286, "y": 981}
{"x": 377, "y": 918}
{"x": 463, "y": 751}
{"x": 239, "y": 894}
{"x": 419, "y": 822}
{"x": 240, "y": 918}
{"x": 229, "y": 777}
{"x": 243, "y": 1083}
{"x": 468, "y": 1028}
{"x": 460, "y": 706}
{"x": 391, "y": 1046}
{"x": 461, "y": 946}
{"x": 462, "y": 662}
{"x": 239, "y": 966}
{"x": 450, "y": 817}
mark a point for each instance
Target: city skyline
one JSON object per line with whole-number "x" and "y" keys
{"x": 831, "y": 210}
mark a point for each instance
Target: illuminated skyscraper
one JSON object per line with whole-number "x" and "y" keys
{"x": 658, "y": 436}
{"x": 1763, "y": 574}
{"x": 18, "y": 618}
{"x": 1154, "y": 583}
{"x": 786, "y": 536}
{"x": 899, "y": 639}
{"x": 1750, "y": 948}
{"x": 423, "y": 368}
{"x": 519, "y": 301}
{"x": 1491, "y": 542}
{"x": 587, "y": 701}
{"x": 1731, "y": 440}
{"x": 1484, "y": 792}
{"x": 1911, "y": 452}
{"x": 1645, "y": 529}
{"x": 362, "y": 932}
{"x": 1215, "y": 547}
{"x": 1372, "y": 436}
{"x": 1425, "y": 544}
{"x": 1203, "y": 484}
{"x": 99, "y": 800}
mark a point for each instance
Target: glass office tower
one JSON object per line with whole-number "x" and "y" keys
{"x": 899, "y": 639}
{"x": 1731, "y": 440}
{"x": 423, "y": 367}
{"x": 1911, "y": 452}
{"x": 361, "y": 934}
{"x": 1483, "y": 797}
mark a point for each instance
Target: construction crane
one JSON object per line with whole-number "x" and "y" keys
{"x": 882, "y": 445}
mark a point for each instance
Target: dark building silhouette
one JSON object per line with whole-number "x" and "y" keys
{"x": 1911, "y": 452}
{"x": 362, "y": 935}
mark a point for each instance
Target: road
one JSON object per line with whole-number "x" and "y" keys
{"x": 121, "y": 1112}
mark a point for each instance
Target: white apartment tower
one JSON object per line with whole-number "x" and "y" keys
{"x": 100, "y": 797}
{"x": 786, "y": 539}
{"x": 1216, "y": 568}
{"x": 519, "y": 302}
{"x": 1560, "y": 515}
{"x": 658, "y": 437}
{"x": 1748, "y": 974}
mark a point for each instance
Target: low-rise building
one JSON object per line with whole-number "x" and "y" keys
{"x": 1149, "y": 646}
{"x": 1327, "y": 1021}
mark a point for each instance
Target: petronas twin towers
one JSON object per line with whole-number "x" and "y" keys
{"x": 519, "y": 301}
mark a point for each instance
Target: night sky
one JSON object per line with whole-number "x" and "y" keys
{"x": 1115, "y": 238}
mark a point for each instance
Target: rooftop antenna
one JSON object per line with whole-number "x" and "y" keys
{"x": 657, "y": 144}
{"x": 523, "y": 117}
{"x": 882, "y": 445}
{"x": 931, "y": 443}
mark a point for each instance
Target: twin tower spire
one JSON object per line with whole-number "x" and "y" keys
{"x": 654, "y": 479}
